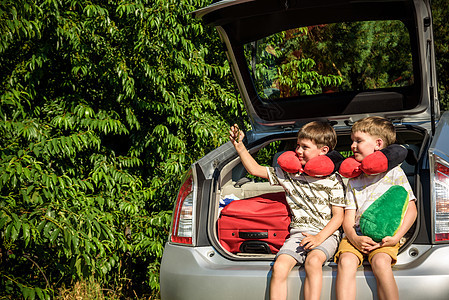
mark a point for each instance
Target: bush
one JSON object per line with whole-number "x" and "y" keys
{"x": 104, "y": 105}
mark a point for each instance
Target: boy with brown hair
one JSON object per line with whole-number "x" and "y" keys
{"x": 369, "y": 135}
{"x": 316, "y": 204}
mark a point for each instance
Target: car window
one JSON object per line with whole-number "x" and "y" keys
{"x": 331, "y": 58}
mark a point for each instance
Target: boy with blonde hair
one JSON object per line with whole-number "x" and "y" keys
{"x": 369, "y": 135}
{"x": 316, "y": 204}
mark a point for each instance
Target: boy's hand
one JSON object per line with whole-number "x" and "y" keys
{"x": 387, "y": 241}
{"x": 365, "y": 244}
{"x": 310, "y": 241}
{"x": 236, "y": 135}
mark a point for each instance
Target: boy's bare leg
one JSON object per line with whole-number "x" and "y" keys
{"x": 278, "y": 284}
{"x": 386, "y": 284}
{"x": 346, "y": 271}
{"x": 314, "y": 274}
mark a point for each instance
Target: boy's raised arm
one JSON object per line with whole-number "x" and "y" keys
{"x": 236, "y": 136}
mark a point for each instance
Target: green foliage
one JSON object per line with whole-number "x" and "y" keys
{"x": 330, "y": 58}
{"x": 104, "y": 105}
{"x": 365, "y": 59}
{"x": 361, "y": 53}
{"x": 280, "y": 68}
{"x": 308, "y": 80}
{"x": 86, "y": 290}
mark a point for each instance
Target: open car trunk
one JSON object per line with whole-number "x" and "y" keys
{"x": 233, "y": 183}
{"x": 335, "y": 61}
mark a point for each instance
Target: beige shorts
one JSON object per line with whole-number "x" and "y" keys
{"x": 346, "y": 246}
{"x": 291, "y": 246}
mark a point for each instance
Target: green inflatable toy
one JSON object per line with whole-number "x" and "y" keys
{"x": 384, "y": 216}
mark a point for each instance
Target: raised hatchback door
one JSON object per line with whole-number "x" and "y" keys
{"x": 296, "y": 61}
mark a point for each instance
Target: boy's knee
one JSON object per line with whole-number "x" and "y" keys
{"x": 282, "y": 266}
{"x": 348, "y": 261}
{"x": 280, "y": 269}
{"x": 315, "y": 259}
{"x": 279, "y": 274}
{"x": 381, "y": 261}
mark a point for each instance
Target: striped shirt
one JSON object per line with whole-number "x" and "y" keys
{"x": 310, "y": 198}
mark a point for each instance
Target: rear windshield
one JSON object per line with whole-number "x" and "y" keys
{"x": 331, "y": 58}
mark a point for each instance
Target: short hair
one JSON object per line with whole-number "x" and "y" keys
{"x": 377, "y": 127}
{"x": 321, "y": 133}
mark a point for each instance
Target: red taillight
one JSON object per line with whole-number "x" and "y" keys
{"x": 440, "y": 198}
{"x": 441, "y": 237}
{"x": 182, "y": 228}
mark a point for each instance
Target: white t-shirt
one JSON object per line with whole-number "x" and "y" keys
{"x": 363, "y": 190}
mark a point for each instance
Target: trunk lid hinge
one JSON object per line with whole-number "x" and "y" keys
{"x": 396, "y": 121}
{"x": 288, "y": 129}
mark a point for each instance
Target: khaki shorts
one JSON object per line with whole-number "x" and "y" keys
{"x": 346, "y": 246}
{"x": 291, "y": 246}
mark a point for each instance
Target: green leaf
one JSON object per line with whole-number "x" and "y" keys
{"x": 39, "y": 293}
{"x": 54, "y": 235}
{"x": 41, "y": 225}
{"x": 4, "y": 220}
{"x": 28, "y": 293}
{"x": 26, "y": 233}
{"x": 47, "y": 228}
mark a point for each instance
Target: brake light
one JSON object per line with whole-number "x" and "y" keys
{"x": 182, "y": 227}
{"x": 440, "y": 198}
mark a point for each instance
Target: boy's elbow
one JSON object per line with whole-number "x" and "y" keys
{"x": 341, "y": 219}
{"x": 260, "y": 171}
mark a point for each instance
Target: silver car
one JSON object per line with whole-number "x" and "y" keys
{"x": 337, "y": 61}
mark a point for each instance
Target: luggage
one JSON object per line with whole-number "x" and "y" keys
{"x": 255, "y": 225}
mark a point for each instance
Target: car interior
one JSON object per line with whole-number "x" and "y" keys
{"x": 235, "y": 184}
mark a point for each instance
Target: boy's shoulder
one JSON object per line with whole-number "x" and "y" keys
{"x": 364, "y": 179}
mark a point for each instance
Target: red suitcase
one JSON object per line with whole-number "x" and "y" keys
{"x": 255, "y": 225}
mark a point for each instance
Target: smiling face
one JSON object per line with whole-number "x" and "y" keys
{"x": 364, "y": 144}
{"x": 306, "y": 149}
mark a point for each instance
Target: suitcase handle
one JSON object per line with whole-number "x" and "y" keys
{"x": 255, "y": 247}
{"x": 253, "y": 235}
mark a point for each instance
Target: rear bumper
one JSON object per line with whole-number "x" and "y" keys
{"x": 202, "y": 273}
